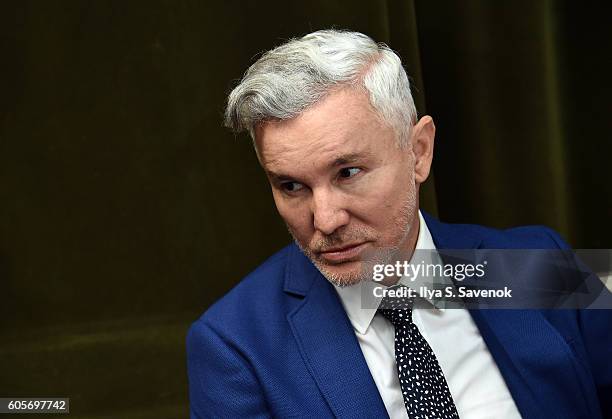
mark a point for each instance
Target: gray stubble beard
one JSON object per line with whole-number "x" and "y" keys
{"x": 380, "y": 255}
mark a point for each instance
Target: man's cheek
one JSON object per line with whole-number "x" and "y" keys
{"x": 287, "y": 212}
{"x": 298, "y": 223}
{"x": 376, "y": 204}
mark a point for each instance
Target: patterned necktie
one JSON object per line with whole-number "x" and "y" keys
{"x": 425, "y": 391}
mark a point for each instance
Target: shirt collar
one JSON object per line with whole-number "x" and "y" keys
{"x": 361, "y": 318}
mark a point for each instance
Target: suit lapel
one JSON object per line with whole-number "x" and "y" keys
{"x": 328, "y": 343}
{"x": 536, "y": 362}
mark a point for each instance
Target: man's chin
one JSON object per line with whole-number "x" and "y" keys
{"x": 344, "y": 274}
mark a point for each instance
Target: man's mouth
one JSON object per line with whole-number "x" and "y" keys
{"x": 343, "y": 253}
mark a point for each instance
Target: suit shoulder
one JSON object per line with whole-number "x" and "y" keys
{"x": 467, "y": 235}
{"x": 535, "y": 237}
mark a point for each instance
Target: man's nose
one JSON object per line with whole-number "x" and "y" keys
{"x": 328, "y": 210}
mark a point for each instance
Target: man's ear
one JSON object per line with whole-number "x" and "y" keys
{"x": 422, "y": 143}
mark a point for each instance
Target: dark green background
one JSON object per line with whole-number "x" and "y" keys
{"x": 126, "y": 208}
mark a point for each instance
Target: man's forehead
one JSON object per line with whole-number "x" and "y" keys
{"x": 339, "y": 130}
{"x": 330, "y": 142}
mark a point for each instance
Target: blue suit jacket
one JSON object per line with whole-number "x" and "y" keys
{"x": 280, "y": 345}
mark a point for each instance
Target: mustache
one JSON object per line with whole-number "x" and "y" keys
{"x": 338, "y": 239}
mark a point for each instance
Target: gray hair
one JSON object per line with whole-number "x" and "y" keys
{"x": 288, "y": 79}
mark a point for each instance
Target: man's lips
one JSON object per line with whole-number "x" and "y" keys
{"x": 344, "y": 253}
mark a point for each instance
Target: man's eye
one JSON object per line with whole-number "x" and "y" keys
{"x": 291, "y": 186}
{"x": 349, "y": 172}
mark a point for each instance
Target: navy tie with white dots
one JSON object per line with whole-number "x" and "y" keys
{"x": 425, "y": 390}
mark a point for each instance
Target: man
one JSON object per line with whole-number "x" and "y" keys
{"x": 335, "y": 129}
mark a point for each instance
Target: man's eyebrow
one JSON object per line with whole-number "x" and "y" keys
{"x": 340, "y": 160}
{"x": 276, "y": 176}
{"x": 348, "y": 159}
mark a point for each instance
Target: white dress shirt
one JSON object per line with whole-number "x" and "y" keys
{"x": 475, "y": 382}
